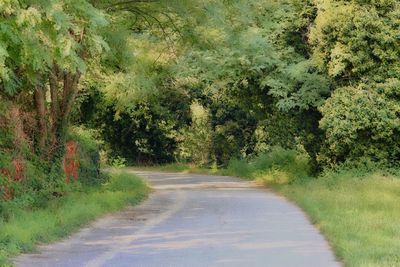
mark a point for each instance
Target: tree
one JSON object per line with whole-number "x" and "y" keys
{"x": 46, "y": 46}
{"x": 196, "y": 143}
{"x": 357, "y": 43}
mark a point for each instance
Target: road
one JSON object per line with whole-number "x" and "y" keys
{"x": 195, "y": 220}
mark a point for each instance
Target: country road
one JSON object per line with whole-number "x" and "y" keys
{"x": 194, "y": 220}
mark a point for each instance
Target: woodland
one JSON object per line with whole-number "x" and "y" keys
{"x": 314, "y": 84}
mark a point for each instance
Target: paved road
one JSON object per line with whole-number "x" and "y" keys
{"x": 195, "y": 220}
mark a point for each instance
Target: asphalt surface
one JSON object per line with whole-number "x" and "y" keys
{"x": 195, "y": 220}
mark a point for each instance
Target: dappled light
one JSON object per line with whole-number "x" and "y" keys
{"x": 197, "y": 227}
{"x": 298, "y": 96}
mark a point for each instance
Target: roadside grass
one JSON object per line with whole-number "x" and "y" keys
{"x": 358, "y": 210}
{"x": 27, "y": 228}
{"x": 178, "y": 167}
{"x": 359, "y": 215}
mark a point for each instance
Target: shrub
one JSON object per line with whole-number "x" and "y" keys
{"x": 362, "y": 123}
{"x": 279, "y": 166}
{"x": 118, "y": 162}
{"x": 44, "y": 181}
{"x": 238, "y": 167}
{"x": 88, "y": 154}
{"x": 277, "y": 157}
{"x": 196, "y": 140}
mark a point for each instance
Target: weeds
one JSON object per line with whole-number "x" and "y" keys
{"x": 357, "y": 211}
{"x": 26, "y": 228}
{"x": 278, "y": 166}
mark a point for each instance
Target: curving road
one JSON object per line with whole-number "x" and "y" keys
{"x": 195, "y": 220}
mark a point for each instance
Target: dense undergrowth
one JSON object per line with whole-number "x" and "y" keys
{"x": 278, "y": 166}
{"x": 43, "y": 181}
{"x": 40, "y": 206}
{"x": 59, "y": 217}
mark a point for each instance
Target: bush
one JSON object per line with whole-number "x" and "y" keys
{"x": 279, "y": 166}
{"x": 238, "y": 167}
{"x": 196, "y": 140}
{"x": 362, "y": 123}
{"x": 277, "y": 157}
{"x": 89, "y": 156}
{"x": 35, "y": 190}
{"x": 61, "y": 216}
{"x": 45, "y": 181}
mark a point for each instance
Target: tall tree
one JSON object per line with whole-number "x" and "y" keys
{"x": 46, "y": 48}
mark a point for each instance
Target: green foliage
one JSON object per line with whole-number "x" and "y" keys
{"x": 357, "y": 43}
{"x": 277, "y": 157}
{"x": 356, "y": 209}
{"x": 118, "y": 162}
{"x": 34, "y": 36}
{"x": 250, "y": 64}
{"x": 41, "y": 181}
{"x": 147, "y": 131}
{"x": 244, "y": 69}
{"x": 316, "y": 76}
{"x": 239, "y": 168}
{"x": 278, "y": 166}
{"x": 124, "y": 182}
{"x": 233, "y": 134}
{"x": 362, "y": 122}
{"x": 88, "y": 155}
{"x": 64, "y": 215}
{"x": 197, "y": 138}
{"x": 45, "y": 181}
{"x": 357, "y": 40}
{"x": 43, "y": 44}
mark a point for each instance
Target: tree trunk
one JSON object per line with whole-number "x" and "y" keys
{"x": 62, "y": 100}
{"x": 18, "y": 129}
{"x": 55, "y": 110}
{"x": 70, "y": 91}
{"x": 40, "y": 102}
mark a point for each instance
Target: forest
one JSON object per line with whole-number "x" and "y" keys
{"x": 286, "y": 91}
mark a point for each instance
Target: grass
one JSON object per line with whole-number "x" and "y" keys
{"x": 26, "y": 228}
{"x": 357, "y": 210}
{"x": 360, "y": 216}
{"x": 178, "y": 167}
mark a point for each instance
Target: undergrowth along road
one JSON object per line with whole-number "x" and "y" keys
{"x": 27, "y": 228}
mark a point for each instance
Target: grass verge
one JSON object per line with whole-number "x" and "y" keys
{"x": 178, "y": 167}
{"x": 359, "y": 215}
{"x": 26, "y": 228}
